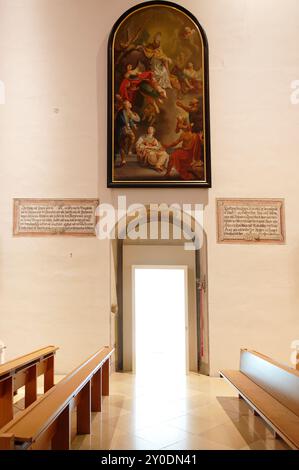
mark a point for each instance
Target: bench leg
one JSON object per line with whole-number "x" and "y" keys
{"x": 7, "y": 442}
{"x": 84, "y": 410}
{"x": 31, "y": 386}
{"x": 105, "y": 377}
{"x": 6, "y": 401}
{"x": 96, "y": 391}
{"x": 62, "y": 438}
{"x": 49, "y": 374}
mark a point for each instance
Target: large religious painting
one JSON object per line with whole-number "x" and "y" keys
{"x": 158, "y": 106}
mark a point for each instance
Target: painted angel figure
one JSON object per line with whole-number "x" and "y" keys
{"x": 159, "y": 62}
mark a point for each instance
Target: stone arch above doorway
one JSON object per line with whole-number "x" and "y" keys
{"x": 195, "y": 233}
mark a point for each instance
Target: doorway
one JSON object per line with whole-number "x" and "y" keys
{"x": 160, "y": 320}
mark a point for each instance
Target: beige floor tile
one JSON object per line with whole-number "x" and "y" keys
{"x": 200, "y": 399}
{"x": 131, "y": 422}
{"x": 259, "y": 426}
{"x": 131, "y": 442}
{"x": 198, "y": 412}
{"x": 234, "y": 404}
{"x": 162, "y": 436}
{"x": 113, "y": 442}
{"x": 214, "y": 411}
{"x": 276, "y": 444}
{"x": 195, "y": 424}
{"x": 234, "y": 435}
{"x": 109, "y": 412}
{"x": 197, "y": 443}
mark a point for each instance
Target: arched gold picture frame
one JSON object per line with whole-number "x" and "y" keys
{"x": 158, "y": 99}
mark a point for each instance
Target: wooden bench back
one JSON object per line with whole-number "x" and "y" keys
{"x": 278, "y": 380}
{"x": 24, "y": 362}
{"x": 23, "y": 371}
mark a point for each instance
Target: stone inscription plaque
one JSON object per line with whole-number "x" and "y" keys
{"x": 68, "y": 217}
{"x": 250, "y": 221}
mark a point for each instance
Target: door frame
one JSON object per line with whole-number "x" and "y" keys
{"x": 151, "y": 266}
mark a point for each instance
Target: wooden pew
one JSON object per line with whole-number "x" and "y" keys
{"x": 24, "y": 371}
{"x": 271, "y": 390}
{"x": 46, "y": 424}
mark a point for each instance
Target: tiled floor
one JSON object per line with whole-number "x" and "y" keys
{"x": 195, "y": 412}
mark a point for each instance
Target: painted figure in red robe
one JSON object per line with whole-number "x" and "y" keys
{"x": 188, "y": 155}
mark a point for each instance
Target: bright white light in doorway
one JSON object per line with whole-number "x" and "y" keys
{"x": 160, "y": 322}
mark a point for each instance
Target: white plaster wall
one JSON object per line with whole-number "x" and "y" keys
{"x": 52, "y": 290}
{"x": 53, "y": 55}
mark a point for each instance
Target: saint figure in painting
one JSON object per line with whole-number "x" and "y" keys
{"x": 185, "y": 159}
{"x": 150, "y": 151}
{"x": 126, "y": 121}
{"x": 159, "y": 62}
